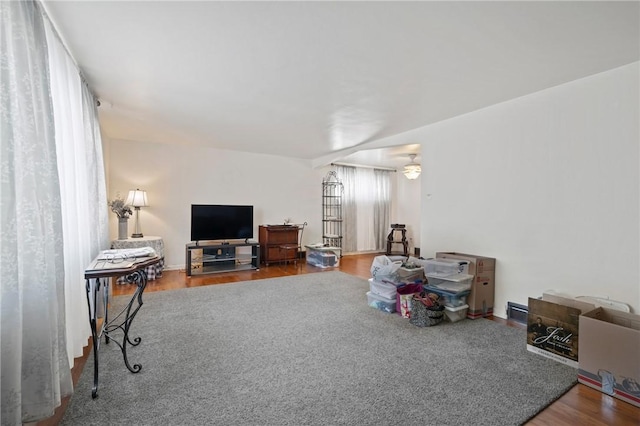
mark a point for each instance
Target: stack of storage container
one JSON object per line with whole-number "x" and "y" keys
{"x": 382, "y": 295}
{"x": 448, "y": 278}
{"x": 383, "y": 288}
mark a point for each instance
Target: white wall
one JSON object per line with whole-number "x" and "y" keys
{"x": 548, "y": 184}
{"x": 407, "y": 209}
{"x": 176, "y": 177}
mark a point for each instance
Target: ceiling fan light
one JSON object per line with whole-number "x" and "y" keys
{"x": 412, "y": 170}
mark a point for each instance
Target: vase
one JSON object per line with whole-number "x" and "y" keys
{"x": 123, "y": 228}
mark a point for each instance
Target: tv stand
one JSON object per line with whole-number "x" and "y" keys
{"x": 221, "y": 257}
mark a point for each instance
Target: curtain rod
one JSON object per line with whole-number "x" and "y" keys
{"x": 390, "y": 169}
{"x": 43, "y": 9}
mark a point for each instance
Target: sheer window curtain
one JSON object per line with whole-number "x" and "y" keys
{"x": 82, "y": 184}
{"x": 54, "y": 213}
{"x": 349, "y": 208}
{"x": 366, "y": 208}
{"x": 381, "y": 206}
{"x": 35, "y": 366}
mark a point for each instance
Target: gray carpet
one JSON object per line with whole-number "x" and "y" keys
{"x": 307, "y": 350}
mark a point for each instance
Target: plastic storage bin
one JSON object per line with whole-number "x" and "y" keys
{"x": 444, "y": 267}
{"x": 450, "y": 299}
{"x": 453, "y": 283}
{"x": 381, "y": 303}
{"x": 457, "y": 313}
{"x": 384, "y": 289}
{"x": 322, "y": 259}
{"x": 410, "y": 274}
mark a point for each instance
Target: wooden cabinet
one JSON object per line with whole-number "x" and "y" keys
{"x": 272, "y": 237}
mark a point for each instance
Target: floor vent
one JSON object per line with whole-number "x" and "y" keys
{"x": 517, "y": 312}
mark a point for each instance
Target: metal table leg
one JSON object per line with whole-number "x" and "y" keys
{"x": 122, "y": 321}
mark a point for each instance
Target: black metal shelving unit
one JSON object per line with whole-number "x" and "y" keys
{"x": 332, "y": 219}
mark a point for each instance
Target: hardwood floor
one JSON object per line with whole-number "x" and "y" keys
{"x": 580, "y": 406}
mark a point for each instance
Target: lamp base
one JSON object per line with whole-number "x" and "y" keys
{"x": 137, "y": 235}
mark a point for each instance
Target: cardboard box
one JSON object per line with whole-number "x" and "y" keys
{"x": 482, "y": 295}
{"x": 553, "y": 327}
{"x": 610, "y": 353}
{"x": 479, "y": 264}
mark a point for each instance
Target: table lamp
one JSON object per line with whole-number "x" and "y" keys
{"x": 137, "y": 199}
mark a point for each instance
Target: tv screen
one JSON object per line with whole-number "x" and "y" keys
{"x": 221, "y": 222}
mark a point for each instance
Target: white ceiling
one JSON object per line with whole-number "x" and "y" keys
{"x": 312, "y": 80}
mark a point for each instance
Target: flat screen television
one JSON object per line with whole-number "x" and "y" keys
{"x": 221, "y": 222}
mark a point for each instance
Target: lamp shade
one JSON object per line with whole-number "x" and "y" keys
{"x": 413, "y": 169}
{"x": 137, "y": 198}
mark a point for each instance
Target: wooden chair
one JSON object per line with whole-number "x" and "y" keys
{"x": 296, "y": 247}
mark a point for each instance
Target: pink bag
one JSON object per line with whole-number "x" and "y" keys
{"x": 404, "y": 298}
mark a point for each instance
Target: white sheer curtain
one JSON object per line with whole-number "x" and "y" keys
{"x": 54, "y": 213}
{"x": 366, "y": 208}
{"x": 35, "y": 366}
{"x": 381, "y": 206}
{"x": 349, "y": 209}
{"x": 82, "y": 186}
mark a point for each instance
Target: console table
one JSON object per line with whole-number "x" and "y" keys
{"x": 97, "y": 277}
{"x": 154, "y": 271}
